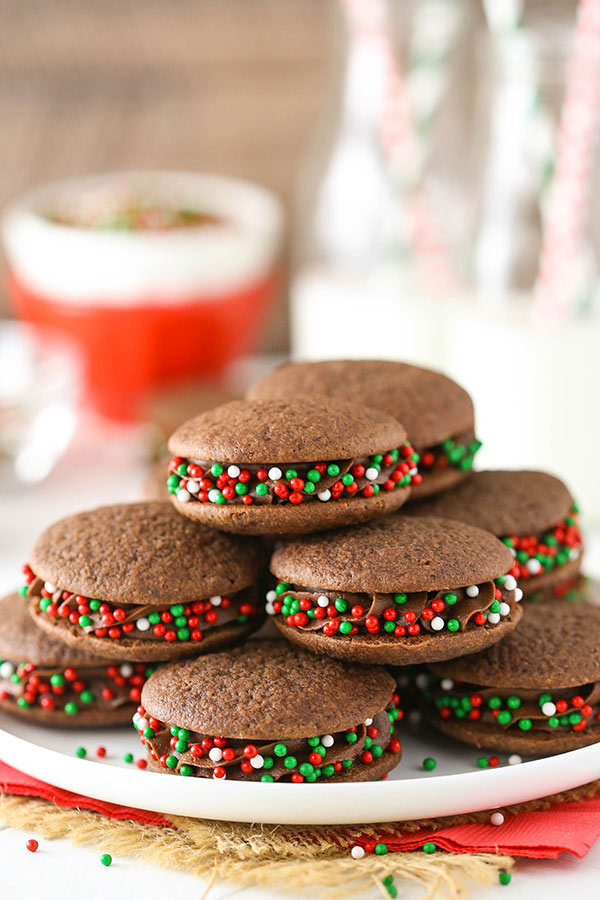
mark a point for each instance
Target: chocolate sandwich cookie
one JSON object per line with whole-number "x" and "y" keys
{"x": 533, "y": 513}
{"x": 138, "y": 581}
{"x": 536, "y": 692}
{"x": 436, "y": 412}
{"x": 269, "y": 711}
{"x": 44, "y": 681}
{"x": 397, "y": 591}
{"x": 273, "y": 467}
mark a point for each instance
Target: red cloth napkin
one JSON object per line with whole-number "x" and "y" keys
{"x": 570, "y": 827}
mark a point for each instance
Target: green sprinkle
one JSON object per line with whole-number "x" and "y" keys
{"x": 309, "y": 488}
{"x": 400, "y": 598}
{"x": 279, "y": 749}
{"x": 182, "y": 469}
{"x": 177, "y": 609}
{"x": 261, "y": 491}
{"x": 351, "y": 737}
{"x": 180, "y": 622}
{"x": 241, "y": 488}
{"x": 346, "y": 627}
{"x": 269, "y": 762}
{"x": 328, "y": 771}
{"x": 149, "y": 732}
{"x": 106, "y": 859}
{"x": 84, "y": 621}
{"x": 525, "y": 724}
{"x": 154, "y": 618}
{"x": 95, "y": 605}
{"x": 514, "y": 702}
{"x": 216, "y": 470}
{"x": 333, "y": 470}
{"x": 381, "y": 849}
{"x": 450, "y": 599}
{"x": 504, "y": 717}
{"x": 171, "y": 761}
{"x": 387, "y": 626}
{"x": 186, "y": 770}
{"x": 368, "y": 743}
{"x": 504, "y": 877}
{"x": 453, "y": 624}
{"x": 347, "y": 479}
{"x": 340, "y": 604}
{"x": 128, "y": 758}
{"x": 494, "y": 702}
{"x": 181, "y": 746}
{"x": 282, "y": 587}
{"x": 376, "y": 750}
{"x": 429, "y": 763}
{"x": 313, "y": 475}
{"x": 44, "y": 604}
{"x": 290, "y": 473}
{"x": 553, "y": 722}
{"x": 86, "y": 697}
{"x": 306, "y": 769}
{"x": 183, "y": 634}
{"x": 312, "y": 741}
{"x": 429, "y": 847}
{"x": 22, "y": 702}
{"x": 290, "y": 762}
{"x": 23, "y": 590}
{"x": 483, "y": 762}
{"x": 266, "y": 777}
{"x": 71, "y": 708}
{"x": 377, "y": 458}
{"x": 81, "y": 752}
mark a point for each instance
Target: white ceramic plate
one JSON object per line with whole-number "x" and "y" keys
{"x": 457, "y": 785}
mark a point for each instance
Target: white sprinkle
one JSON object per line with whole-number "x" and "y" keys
{"x": 497, "y": 818}
{"x": 574, "y": 553}
{"x": 215, "y": 601}
{"x": 513, "y": 551}
{"x": 136, "y": 717}
{"x": 514, "y": 759}
{"x": 368, "y": 722}
{"x": 257, "y": 762}
{"x": 269, "y": 609}
{"x": 510, "y": 582}
{"x": 534, "y": 566}
{"x": 414, "y": 716}
{"x": 142, "y": 624}
{"x": 504, "y": 608}
{"x": 413, "y": 471}
{"x": 183, "y": 496}
{"x": 233, "y": 471}
{"x": 357, "y": 852}
{"x": 193, "y": 486}
{"x": 141, "y": 723}
{"x": 222, "y": 778}
{"x": 548, "y": 708}
{"x": 213, "y": 495}
{"x": 493, "y": 618}
{"x": 446, "y": 684}
{"x": 472, "y": 590}
{"x": 126, "y": 670}
{"x": 437, "y": 623}
{"x": 371, "y": 473}
{"x": 274, "y": 473}
{"x": 6, "y": 669}
{"x": 323, "y": 601}
{"x": 49, "y": 587}
{"x": 518, "y": 594}
{"x": 327, "y": 740}
{"x": 324, "y": 496}
{"x": 271, "y": 596}
{"x": 422, "y": 680}
{"x": 216, "y": 754}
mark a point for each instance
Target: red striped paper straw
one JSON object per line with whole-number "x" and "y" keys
{"x": 568, "y": 200}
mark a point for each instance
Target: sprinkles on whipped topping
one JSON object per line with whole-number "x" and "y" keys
{"x": 400, "y": 614}
{"x": 220, "y": 483}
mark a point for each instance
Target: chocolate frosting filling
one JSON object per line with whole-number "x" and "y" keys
{"x": 279, "y": 759}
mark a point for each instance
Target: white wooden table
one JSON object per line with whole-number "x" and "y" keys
{"x": 104, "y": 470}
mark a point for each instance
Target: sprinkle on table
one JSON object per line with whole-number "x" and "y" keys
{"x": 32, "y": 845}
{"x": 81, "y": 752}
{"x": 101, "y": 752}
{"x": 429, "y": 763}
{"x": 106, "y": 859}
{"x": 504, "y": 877}
{"x": 128, "y": 757}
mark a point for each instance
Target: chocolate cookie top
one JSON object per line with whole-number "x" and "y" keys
{"x": 503, "y": 502}
{"x": 431, "y": 406}
{"x": 394, "y": 554}
{"x": 144, "y": 553}
{"x": 557, "y": 644}
{"x": 266, "y": 689}
{"x": 22, "y": 641}
{"x": 272, "y": 431}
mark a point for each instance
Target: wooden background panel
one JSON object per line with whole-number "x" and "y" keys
{"x": 229, "y": 86}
